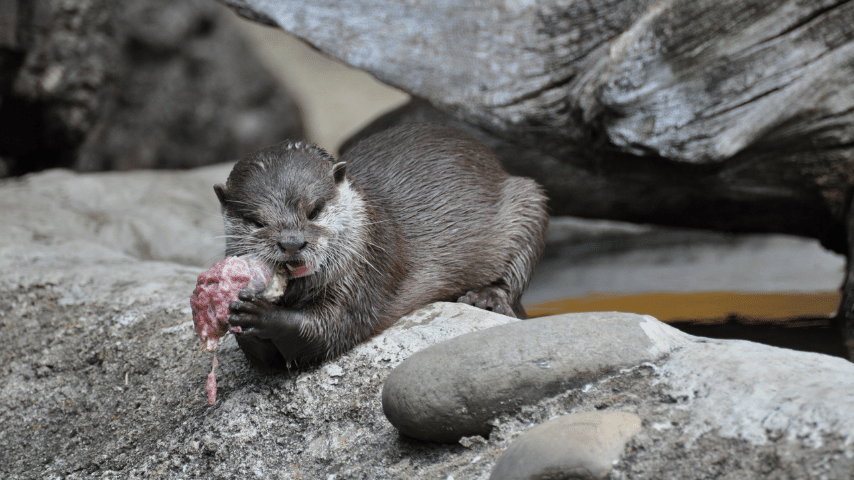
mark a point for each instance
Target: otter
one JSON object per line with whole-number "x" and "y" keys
{"x": 412, "y": 215}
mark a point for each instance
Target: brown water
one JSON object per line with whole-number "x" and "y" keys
{"x": 700, "y": 306}
{"x": 800, "y": 321}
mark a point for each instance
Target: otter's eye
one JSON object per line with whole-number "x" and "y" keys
{"x": 312, "y": 215}
{"x": 254, "y": 223}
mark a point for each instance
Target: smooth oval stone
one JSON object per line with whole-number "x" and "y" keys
{"x": 452, "y": 389}
{"x": 578, "y": 445}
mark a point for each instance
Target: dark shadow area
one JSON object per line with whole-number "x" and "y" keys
{"x": 820, "y": 335}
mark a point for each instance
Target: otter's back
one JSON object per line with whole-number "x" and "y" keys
{"x": 449, "y": 198}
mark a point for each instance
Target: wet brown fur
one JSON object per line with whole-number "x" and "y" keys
{"x": 441, "y": 218}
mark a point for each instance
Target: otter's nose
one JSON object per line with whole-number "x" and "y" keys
{"x": 292, "y": 244}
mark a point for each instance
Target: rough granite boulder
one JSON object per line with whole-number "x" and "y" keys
{"x": 103, "y": 376}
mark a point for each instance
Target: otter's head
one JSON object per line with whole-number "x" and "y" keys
{"x": 286, "y": 204}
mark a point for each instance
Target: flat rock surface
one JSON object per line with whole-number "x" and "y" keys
{"x": 455, "y": 388}
{"x": 594, "y": 256}
{"x": 144, "y": 215}
{"x": 756, "y": 393}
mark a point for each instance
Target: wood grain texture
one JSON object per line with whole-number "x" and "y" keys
{"x": 742, "y": 108}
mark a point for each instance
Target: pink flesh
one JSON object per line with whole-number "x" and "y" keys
{"x": 210, "y": 386}
{"x": 215, "y": 289}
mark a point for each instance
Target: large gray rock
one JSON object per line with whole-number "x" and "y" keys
{"x": 454, "y": 389}
{"x": 100, "y": 85}
{"x": 102, "y": 374}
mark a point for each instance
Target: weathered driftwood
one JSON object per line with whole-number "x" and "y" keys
{"x": 735, "y": 115}
{"x": 95, "y": 85}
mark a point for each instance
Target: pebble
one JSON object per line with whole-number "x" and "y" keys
{"x": 578, "y": 445}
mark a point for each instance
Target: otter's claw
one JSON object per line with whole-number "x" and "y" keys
{"x": 493, "y": 299}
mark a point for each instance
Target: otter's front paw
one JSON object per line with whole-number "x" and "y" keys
{"x": 491, "y": 298}
{"x": 255, "y": 316}
{"x": 258, "y": 318}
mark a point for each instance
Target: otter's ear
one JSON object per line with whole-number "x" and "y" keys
{"x": 221, "y": 193}
{"x": 338, "y": 171}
